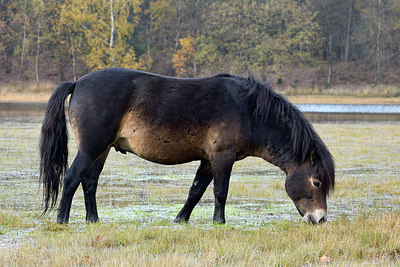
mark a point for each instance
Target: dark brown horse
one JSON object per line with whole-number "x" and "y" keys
{"x": 216, "y": 120}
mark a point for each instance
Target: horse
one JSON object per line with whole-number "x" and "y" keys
{"x": 216, "y": 120}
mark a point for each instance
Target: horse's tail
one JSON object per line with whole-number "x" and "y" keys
{"x": 54, "y": 145}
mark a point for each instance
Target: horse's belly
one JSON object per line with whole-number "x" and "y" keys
{"x": 163, "y": 146}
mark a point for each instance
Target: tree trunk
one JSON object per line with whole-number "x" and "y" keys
{"x": 178, "y": 26}
{"x": 330, "y": 57}
{"x": 61, "y": 70}
{"x": 73, "y": 60}
{"x": 329, "y": 81}
{"x": 112, "y": 32}
{"x": 23, "y": 44}
{"x": 148, "y": 44}
{"x": 194, "y": 68}
{"x": 37, "y": 50}
{"x": 379, "y": 44}
{"x": 347, "y": 47}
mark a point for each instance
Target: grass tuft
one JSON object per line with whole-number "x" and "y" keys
{"x": 55, "y": 227}
{"x": 13, "y": 219}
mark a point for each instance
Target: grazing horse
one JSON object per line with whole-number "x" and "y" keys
{"x": 216, "y": 120}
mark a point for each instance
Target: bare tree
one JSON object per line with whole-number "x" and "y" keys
{"x": 178, "y": 26}
{"x": 23, "y": 43}
{"x": 38, "y": 46}
{"x": 379, "y": 50}
{"x": 330, "y": 52}
{"x": 349, "y": 22}
{"x": 112, "y": 19}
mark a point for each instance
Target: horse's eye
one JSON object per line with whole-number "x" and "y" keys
{"x": 316, "y": 184}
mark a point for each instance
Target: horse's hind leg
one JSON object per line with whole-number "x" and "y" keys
{"x": 72, "y": 179}
{"x": 201, "y": 181}
{"x": 89, "y": 186}
{"x": 83, "y": 166}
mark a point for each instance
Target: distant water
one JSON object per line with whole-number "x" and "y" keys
{"x": 350, "y": 108}
{"x": 314, "y": 112}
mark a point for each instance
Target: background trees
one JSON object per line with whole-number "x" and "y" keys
{"x": 105, "y": 30}
{"x": 63, "y": 39}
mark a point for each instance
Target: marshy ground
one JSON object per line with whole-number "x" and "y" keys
{"x": 138, "y": 200}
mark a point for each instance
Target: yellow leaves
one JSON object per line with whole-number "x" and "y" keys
{"x": 105, "y": 29}
{"x": 396, "y": 10}
{"x": 183, "y": 59}
{"x": 130, "y": 61}
{"x": 160, "y": 10}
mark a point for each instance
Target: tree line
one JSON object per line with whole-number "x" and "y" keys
{"x": 191, "y": 38}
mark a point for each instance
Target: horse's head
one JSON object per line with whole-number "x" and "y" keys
{"x": 288, "y": 140}
{"x": 308, "y": 193}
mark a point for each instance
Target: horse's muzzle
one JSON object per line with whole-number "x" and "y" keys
{"x": 318, "y": 216}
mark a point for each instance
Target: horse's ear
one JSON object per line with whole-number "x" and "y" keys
{"x": 314, "y": 157}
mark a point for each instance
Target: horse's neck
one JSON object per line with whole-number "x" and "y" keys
{"x": 279, "y": 155}
{"x": 265, "y": 154}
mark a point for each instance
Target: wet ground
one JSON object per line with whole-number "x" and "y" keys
{"x": 134, "y": 190}
{"x": 130, "y": 188}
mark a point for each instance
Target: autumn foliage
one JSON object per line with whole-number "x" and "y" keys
{"x": 43, "y": 39}
{"x": 183, "y": 60}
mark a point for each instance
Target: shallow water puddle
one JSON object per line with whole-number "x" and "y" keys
{"x": 132, "y": 190}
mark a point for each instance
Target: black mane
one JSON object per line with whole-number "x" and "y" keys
{"x": 273, "y": 110}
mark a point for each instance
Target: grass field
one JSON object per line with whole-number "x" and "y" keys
{"x": 138, "y": 200}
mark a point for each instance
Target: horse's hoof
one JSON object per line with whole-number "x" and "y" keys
{"x": 180, "y": 220}
{"x": 219, "y": 221}
{"x": 92, "y": 220}
{"x": 62, "y": 221}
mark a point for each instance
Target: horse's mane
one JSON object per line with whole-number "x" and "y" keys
{"x": 271, "y": 108}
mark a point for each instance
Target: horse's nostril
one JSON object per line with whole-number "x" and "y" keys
{"x": 311, "y": 219}
{"x": 314, "y": 218}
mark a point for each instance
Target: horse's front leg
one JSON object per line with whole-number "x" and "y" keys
{"x": 222, "y": 165}
{"x": 201, "y": 181}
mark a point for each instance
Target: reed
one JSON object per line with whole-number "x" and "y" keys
{"x": 347, "y": 90}
{"x": 352, "y": 94}
{"x": 28, "y": 87}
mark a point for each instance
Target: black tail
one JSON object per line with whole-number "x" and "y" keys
{"x": 54, "y": 145}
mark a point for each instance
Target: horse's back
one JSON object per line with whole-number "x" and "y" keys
{"x": 163, "y": 119}
{"x": 160, "y": 99}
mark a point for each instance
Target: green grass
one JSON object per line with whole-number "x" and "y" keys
{"x": 285, "y": 243}
{"x": 138, "y": 200}
{"x": 11, "y": 219}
